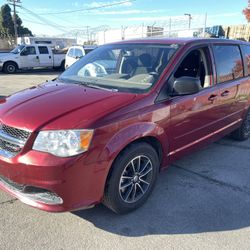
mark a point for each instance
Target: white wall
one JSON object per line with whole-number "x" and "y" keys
{"x": 123, "y": 33}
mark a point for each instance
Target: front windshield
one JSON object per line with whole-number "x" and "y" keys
{"x": 18, "y": 49}
{"x": 131, "y": 67}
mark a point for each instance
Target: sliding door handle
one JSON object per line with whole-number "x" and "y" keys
{"x": 212, "y": 97}
{"x": 225, "y": 93}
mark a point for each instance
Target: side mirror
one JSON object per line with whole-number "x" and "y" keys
{"x": 186, "y": 85}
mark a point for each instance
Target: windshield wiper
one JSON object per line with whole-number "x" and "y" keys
{"x": 98, "y": 87}
{"x": 90, "y": 85}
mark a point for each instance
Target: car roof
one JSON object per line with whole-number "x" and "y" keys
{"x": 84, "y": 46}
{"x": 181, "y": 41}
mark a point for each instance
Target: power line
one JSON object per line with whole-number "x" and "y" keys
{"x": 64, "y": 28}
{"x": 45, "y": 24}
{"x": 45, "y": 21}
{"x": 87, "y": 9}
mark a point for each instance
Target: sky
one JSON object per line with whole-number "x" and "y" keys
{"x": 40, "y": 17}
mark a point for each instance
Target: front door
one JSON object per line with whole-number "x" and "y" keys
{"x": 29, "y": 58}
{"x": 193, "y": 117}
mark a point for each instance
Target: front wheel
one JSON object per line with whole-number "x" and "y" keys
{"x": 243, "y": 132}
{"x": 10, "y": 68}
{"x": 132, "y": 179}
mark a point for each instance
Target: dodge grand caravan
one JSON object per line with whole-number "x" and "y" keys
{"x": 103, "y": 129}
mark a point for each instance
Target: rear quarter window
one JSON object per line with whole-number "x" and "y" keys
{"x": 87, "y": 51}
{"x": 228, "y": 62}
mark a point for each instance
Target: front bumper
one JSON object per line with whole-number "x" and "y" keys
{"x": 51, "y": 183}
{"x": 30, "y": 194}
{"x": 1, "y": 66}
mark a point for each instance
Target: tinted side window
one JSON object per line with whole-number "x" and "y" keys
{"x": 228, "y": 62}
{"x": 43, "y": 50}
{"x": 30, "y": 51}
{"x": 87, "y": 51}
{"x": 246, "y": 51}
{"x": 71, "y": 52}
{"x": 196, "y": 64}
{"x": 78, "y": 53}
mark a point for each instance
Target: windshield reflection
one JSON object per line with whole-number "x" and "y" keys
{"x": 18, "y": 49}
{"x": 133, "y": 68}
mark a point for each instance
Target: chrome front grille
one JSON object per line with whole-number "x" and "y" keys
{"x": 12, "y": 140}
{"x": 14, "y": 132}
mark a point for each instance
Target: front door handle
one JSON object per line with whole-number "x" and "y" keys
{"x": 49, "y": 57}
{"x": 212, "y": 97}
{"x": 225, "y": 93}
{"x": 37, "y": 57}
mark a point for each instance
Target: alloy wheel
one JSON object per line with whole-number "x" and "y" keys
{"x": 136, "y": 179}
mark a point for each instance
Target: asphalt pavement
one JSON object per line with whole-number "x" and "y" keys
{"x": 200, "y": 202}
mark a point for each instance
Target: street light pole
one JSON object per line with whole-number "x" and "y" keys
{"x": 189, "y": 19}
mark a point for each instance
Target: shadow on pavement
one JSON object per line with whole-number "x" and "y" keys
{"x": 182, "y": 203}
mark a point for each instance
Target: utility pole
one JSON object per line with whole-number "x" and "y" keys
{"x": 169, "y": 27}
{"x": 205, "y": 25}
{"x": 14, "y": 4}
{"x": 88, "y": 33}
{"x": 189, "y": 19}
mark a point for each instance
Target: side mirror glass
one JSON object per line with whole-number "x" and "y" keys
{"x": 186, "y": 85}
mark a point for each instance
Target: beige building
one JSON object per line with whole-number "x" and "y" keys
{"x": 238, "y": 32}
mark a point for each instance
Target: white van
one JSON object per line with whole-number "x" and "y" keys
{"x": 76, "y": 52}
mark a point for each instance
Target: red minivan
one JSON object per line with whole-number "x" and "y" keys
{"x": 105, "y": 127}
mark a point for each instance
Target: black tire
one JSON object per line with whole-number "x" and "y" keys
{"x": 10, "y": 68}
{"x": 243, "y": 132}
{"x": 62, "y": 66}
{"x": 116, "y": 193}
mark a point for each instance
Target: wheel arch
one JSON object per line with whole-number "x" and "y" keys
{"x": 10, "y": 61}
{"x": 149, "y": 139}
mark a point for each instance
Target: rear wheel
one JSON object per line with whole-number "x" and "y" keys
{"x": 132, "y": 179}
{"x": 10, "y": 68}
{"x": 61, "y": 67}
{"x": 243, "y": 132}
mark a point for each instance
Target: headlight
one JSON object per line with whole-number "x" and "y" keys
{"x": 63, "y": 143}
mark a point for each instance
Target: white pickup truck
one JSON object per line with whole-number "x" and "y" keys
{"x": 29, "y": 57}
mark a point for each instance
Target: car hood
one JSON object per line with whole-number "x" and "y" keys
{"x": 6, "y": 55}
{"x": 34, "y": 108}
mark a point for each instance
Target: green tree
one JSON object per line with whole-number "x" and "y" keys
{"x": 6, "y": 24}
{"x": 21, "y": 30}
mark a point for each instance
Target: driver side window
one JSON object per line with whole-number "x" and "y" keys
{"x": 196, "y": 64}
{"x": 29, "y": 51}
